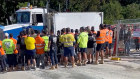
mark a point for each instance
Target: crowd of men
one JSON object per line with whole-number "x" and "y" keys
{"x": 39, "y": 49}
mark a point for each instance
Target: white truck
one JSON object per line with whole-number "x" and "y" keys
{"x": 39, "y": 18}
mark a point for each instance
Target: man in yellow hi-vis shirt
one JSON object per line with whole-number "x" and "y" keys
{"x": 30, "y": 47}
{"x": 68, "y": 40}
{"x": 82, "y": 41}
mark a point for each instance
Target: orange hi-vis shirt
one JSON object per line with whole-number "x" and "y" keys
{"x": 101, "y": 38}
{"x": 40, "y": 44}
{"x": 107, "y": 35}
{"x": 72, "y": 34}
{"x": 110, "y": 36}
{"x": 15, "y": 43}
{"x": 1, "y": 49}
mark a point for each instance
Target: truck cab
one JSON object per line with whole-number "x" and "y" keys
{"x": 26, "y": 16}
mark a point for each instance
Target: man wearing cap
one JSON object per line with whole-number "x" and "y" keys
{"x": 9, "y": 47}
{"x": 68, "y": 40}
{"x": 40, "y": 44}
{"x": 82, "y": 41}
{"x": 53, "y": 50}
{"x": 100, "y": 40}
{"x": 30, "y": 50}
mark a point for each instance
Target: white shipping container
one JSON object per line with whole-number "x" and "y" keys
{"x": 75, "y": 20}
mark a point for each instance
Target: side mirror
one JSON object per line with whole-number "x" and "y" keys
{"x": 34, "y": 20}
{"x": 13, "y": 18}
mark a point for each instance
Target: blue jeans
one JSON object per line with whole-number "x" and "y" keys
{"x": 53, "y": 56}
{"x": 68, "y": 51}
{"x": 3, "y": 62}
{"x": 127, "y": 47}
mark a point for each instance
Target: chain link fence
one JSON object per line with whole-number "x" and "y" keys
{"x": 127, "y": 37}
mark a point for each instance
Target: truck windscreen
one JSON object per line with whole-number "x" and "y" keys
{"x": 23, "y": 17}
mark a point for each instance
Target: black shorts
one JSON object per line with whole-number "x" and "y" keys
{"x": 99, "y": 47}
{"x": 31, "y": 54}
{"x": 47, "y": 54}
{"x": 110, "y": 45}
{"x": 106, "y": 44}
{"x": 82, "y": 50}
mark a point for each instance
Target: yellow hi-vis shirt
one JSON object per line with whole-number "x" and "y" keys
{"x": 61, "y": 38}
{"x": 68, "y": 40}
{"x": 30, "y": 43}
{"x": 83, "y": 40}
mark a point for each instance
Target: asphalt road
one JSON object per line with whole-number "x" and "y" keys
{"x": 127, "y": 68}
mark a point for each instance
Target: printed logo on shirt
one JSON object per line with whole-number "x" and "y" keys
{"x": 54, "y": 39}
{"x": 107, "y": 33}
{"x": 7, "y": 44}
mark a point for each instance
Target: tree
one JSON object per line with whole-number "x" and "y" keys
{"x": 128, "y": 2}
{"x": 112, "y": 11}
{"x": 132, "y": 11}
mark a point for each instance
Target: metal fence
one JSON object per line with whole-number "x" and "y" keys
{"x": 127, "y": 37}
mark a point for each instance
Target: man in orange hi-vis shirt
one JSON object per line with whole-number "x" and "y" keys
{"x": 110, "y": 40}
{"x": 106, "y": 44}
{"x": 15, "y": 51}
{"x": 40, "y": 44}
{"x": 2, "y": 58}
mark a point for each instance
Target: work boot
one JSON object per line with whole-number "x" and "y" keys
{"x": 92, "y": 62}
{"x": 85, "y": 62}
{"x": 10, "y": 69}
{"x": 23, "y": 68}
{"x": 102, "y": 62}
{"x": 28, "y": 68}
{"x": 88, "y": 62}
{"x": 34, "y": 67}
{"x": 79, "y": 64}
{"x": 52, "y": 68}
{"x": 73, "y": 65}
{"x": 66, "y": 64}
{"x": 56, "y": 66}
{"x": 96, "y": 62}
{"x": 15, "y": 68}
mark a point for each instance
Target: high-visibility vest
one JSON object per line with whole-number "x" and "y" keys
{"x": 101, "y": 38}
{"x": 110, "y": 36}
{"x": 68, "y": 40}
{"x": 39, "y": 45}
{"x": 1, "y": 49}
{"x": 46, "y": 39}
{"x": 8, "y": 46}
{"x": 107, "y": 35}
{"x": 83, "y": 40}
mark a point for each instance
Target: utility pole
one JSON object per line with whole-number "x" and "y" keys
{"x": 66, "y": 4}
{"x": 59, "y": 8}
{"x": 48, "y": 24}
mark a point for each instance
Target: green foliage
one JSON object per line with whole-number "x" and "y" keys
{"x": 113, "y": 9}
{"x": 24, "y": 4}
{"x": 132, "y": 11}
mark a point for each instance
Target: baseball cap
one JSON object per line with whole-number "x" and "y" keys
{"x": 6, "y": 34}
